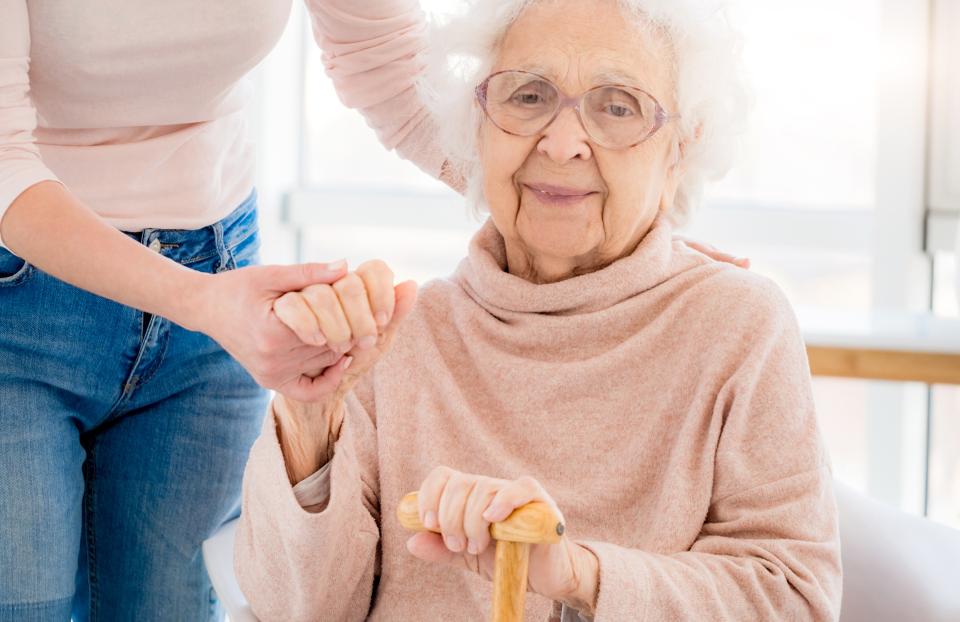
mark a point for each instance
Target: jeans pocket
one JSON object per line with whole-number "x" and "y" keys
{"x": 13, "y": 269}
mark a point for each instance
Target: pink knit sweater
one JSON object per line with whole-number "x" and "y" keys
{"x": 139, "y": 109}
{"x": 663, "y": 401}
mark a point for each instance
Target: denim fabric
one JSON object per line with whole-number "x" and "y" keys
{"x": 122, "y": 442}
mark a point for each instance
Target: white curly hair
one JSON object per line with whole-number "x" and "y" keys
{"x": 705, "y": 51}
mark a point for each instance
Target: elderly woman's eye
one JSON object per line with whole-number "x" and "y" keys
{"x": 615, "y": 104}
{"x": 527, "y": 98}
{"x": 619, "y": 111}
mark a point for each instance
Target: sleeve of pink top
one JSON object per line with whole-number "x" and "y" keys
{"x": 373, "y": 52}
{"x": 20, "y": 164}
{"x": 317, "y": 562}
{"x": 769, "y": 548}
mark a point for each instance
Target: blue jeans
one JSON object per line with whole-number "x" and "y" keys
{"x": 122, "y": 442}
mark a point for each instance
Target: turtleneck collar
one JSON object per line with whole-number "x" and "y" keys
{"x": 483, "y": 274}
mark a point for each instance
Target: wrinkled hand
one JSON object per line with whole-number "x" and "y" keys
{"x": 463, "y": 506}
{"x": 237, "y": 310}
{"x": 714, "y": 253}
{"x": 357, "y": 316}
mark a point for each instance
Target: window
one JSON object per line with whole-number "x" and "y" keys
{"x": 946, "y": 285}
{"x": 813, "y": 139}
{"x": 944, "y": 503}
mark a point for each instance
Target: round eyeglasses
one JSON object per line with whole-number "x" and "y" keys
{"x": 615, "y": 116}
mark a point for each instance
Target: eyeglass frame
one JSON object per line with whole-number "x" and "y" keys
{"x": 661, "y": 118}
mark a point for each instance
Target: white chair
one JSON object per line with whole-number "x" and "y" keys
{"x": 218, "y": 557}
{"x": 896, "y": 566}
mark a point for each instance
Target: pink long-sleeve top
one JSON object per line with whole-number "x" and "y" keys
{"x": 138, "y": 108}
{"x": 664, "y": 402}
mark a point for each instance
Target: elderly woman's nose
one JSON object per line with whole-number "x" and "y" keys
{"x": 565, "y": 139}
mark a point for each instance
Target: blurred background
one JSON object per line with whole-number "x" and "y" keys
{"x": 846, "y": 193}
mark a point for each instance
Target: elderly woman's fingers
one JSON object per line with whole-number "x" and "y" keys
{"x": 453, "y": 501}
{"x": 429, "y": 495}
{"x": 378, "y": 279}
{"x": 475, "y": 527}
{"x": 303, "y": 356}
{"x": 294, "y": 311}
{"x": 325, "y": 305}
{"x": 405, "y": 295}
{"x": 316, "y": 366}
{"x": 356, "y": 307}
{"x": 516, "y": 494}
{"x": 430, "y": 547}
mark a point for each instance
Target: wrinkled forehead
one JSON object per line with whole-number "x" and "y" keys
{"x": 582, "y": 44}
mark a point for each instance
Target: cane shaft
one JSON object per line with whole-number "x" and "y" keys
{"x": 510, "y": 581}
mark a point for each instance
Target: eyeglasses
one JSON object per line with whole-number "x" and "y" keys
{"x": 614, "y": 116}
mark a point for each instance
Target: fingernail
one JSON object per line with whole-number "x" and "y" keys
{"x": 337, "y": 266}
{"x": 382, "y": 319}
{"x": 347, "y": 362}
{"x": 430, "y": 520}
{"x": 319, "y": 339}
{"x": 454, "y": 543}
{"x": 472, "y": 547}
{"x": 367, "y": 342}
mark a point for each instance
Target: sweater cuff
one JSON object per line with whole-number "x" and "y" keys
{"x": 269, "y": 477}
{"x": 624, "y": 587}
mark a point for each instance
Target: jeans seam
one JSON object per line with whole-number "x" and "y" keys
{"x": 249, "y": 234}
{"x": 126, "y": 391}
{"x": 90, "y": 524}
{"x": 125, "y": 395}
{"x": 226, "y": 255}
{"x": 163, "y": 351}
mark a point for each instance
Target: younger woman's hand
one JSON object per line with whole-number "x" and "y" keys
{"x": 236, "y": 308}
{"x": 714, "y": 253}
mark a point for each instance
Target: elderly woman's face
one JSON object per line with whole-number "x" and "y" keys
{"x": 564, "y": 204}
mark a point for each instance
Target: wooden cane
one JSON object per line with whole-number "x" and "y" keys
{"x": 534, "y": 523}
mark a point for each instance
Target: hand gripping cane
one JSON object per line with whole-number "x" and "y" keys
{"x": 534, "y": 523}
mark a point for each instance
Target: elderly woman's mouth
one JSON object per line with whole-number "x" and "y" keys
{"x": 558, "y": 195}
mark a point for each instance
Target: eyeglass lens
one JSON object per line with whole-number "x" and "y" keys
{"x": 525, "y": 104}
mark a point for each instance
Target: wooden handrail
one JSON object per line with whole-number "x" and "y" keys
{"x": 895, "y": 365}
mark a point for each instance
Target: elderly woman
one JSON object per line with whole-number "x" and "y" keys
{"x": 660, "y": 401}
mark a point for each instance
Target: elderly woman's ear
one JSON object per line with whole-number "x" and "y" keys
{"x": 678, "y": 151}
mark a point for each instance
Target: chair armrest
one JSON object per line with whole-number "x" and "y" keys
{"x": 895, "y": 566}
{"x": 218, "y": 558}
